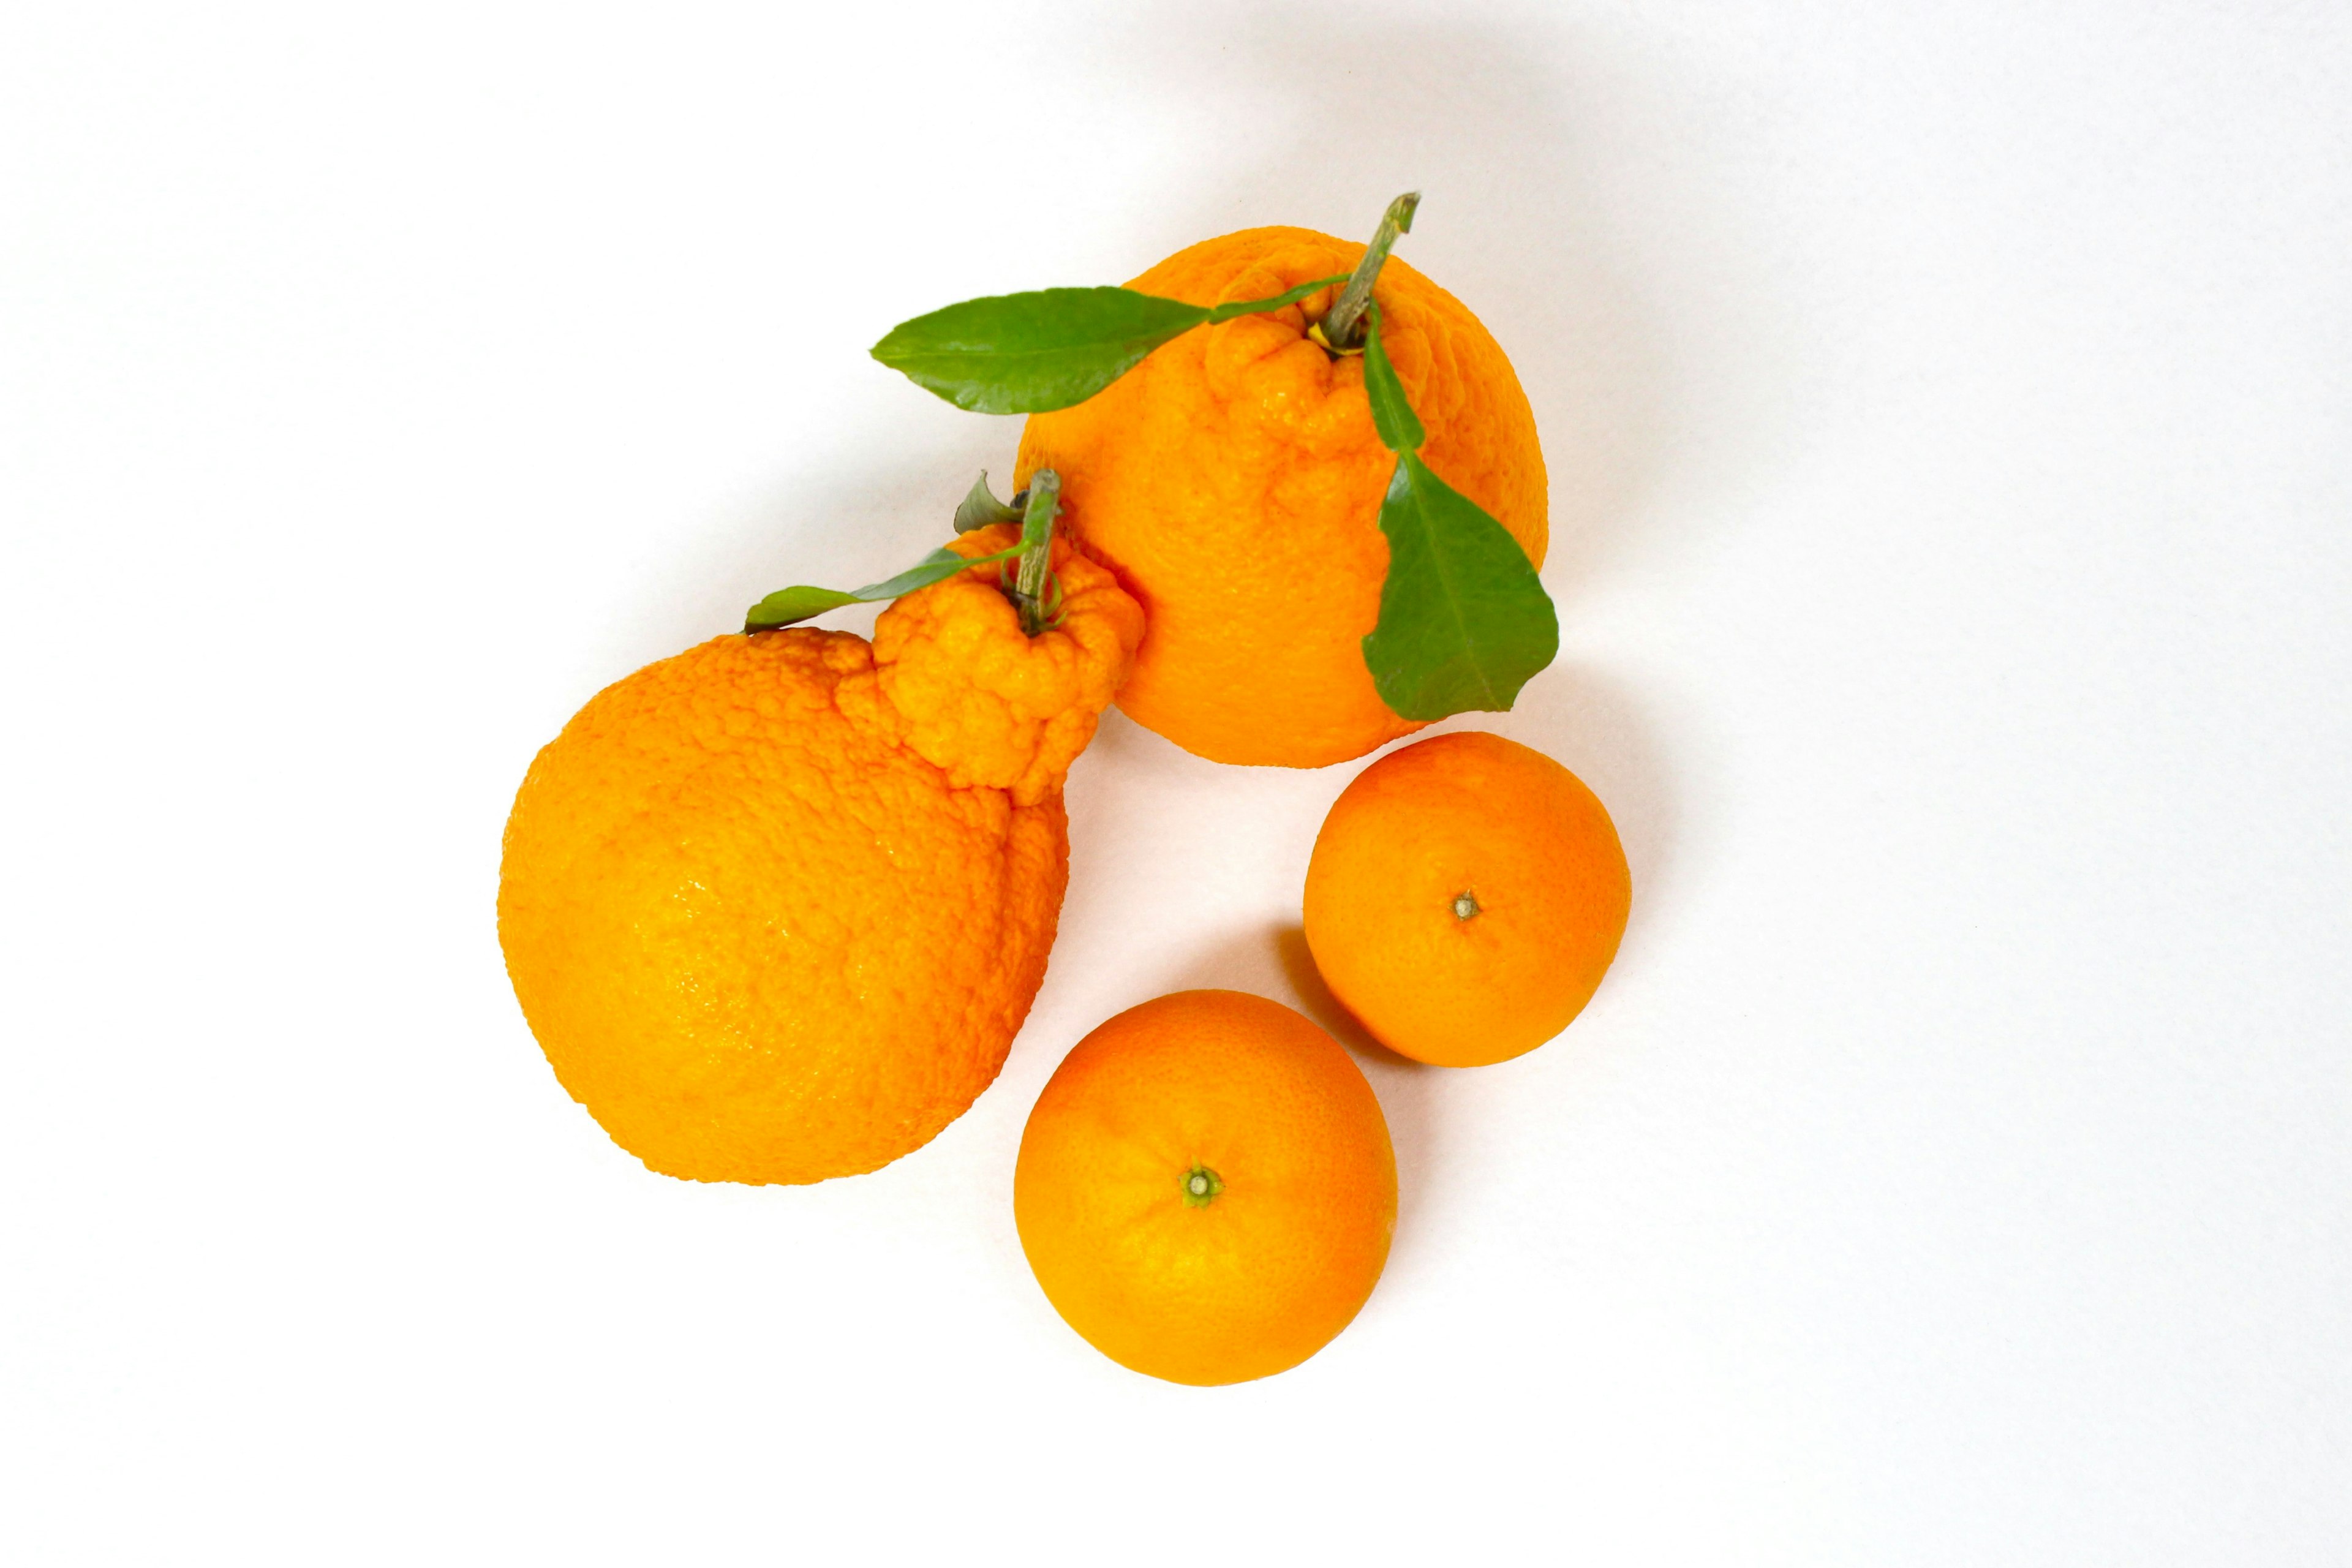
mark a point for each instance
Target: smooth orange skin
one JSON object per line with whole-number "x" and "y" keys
{"x": 1273, "y": 1266}
{"x": 1466, "y": 813}
{"x": 776, "y": 907}
{"x": 1233, "y": 481}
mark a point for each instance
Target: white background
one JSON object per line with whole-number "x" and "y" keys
{"x": 1951, "y": 450}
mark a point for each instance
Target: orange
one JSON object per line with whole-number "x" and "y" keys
{"x": 1465, "y": 898}
{"x": 1233, "y": 481}
{"x": 1205, "y": 1188}
{"x": 776, "y": 907}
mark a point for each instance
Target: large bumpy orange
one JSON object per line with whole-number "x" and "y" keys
{"x": 1206, "y": 1189}
{"x": 776, "y": 907}
{"x": 1465, "y": 898}
{"x": 1233, "y": 481}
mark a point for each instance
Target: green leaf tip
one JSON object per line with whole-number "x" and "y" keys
{"x": 787, "y": 606}
{"x": 1465, "y": 621}
{"x": 1049, "y": 348}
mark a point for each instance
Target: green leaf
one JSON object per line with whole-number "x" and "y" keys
{"x": 981, "y": 508}
{"x": 1400, "y": 427}
{"x": 1022, "y": 353}
{"x": 1049, "y": 348}
{"x": 1465, "y": 622}
{"x": 786, "y": 605}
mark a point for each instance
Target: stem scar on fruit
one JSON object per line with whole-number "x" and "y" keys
{"x": 1466, "y": 904}
{"x": 1201, "y": 1185}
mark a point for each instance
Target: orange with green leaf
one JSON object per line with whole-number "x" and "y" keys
{"x": 776, "y": 908}
{"x": 1323, "y": 485}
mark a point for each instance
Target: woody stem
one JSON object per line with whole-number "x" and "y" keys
{"x": 1037, "y": 549}
{"x": 1343, "y": 328}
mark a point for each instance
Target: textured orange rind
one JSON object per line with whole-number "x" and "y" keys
{"x": 1232, "y": 481}
{"x": 776, "y": 908}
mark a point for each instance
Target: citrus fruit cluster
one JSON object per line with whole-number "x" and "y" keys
{"x": 776, "y": 907}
